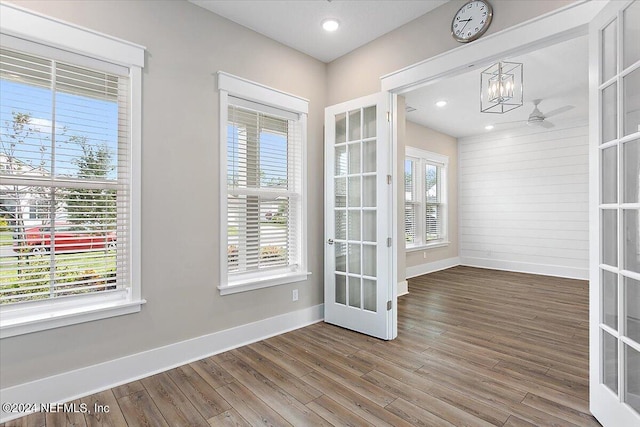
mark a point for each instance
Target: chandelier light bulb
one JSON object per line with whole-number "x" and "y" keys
{"x": 501, "y": 87}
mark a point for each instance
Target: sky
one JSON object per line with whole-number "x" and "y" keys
{"x": 273, "y": 157}
{"x": 73, "y": 114}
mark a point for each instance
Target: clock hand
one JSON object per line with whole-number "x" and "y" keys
{"x": 462, "y": 29}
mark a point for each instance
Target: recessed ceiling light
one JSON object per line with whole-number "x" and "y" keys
{"x": 488, "y": 127}
{"x": 441, "y": 104}
{"x": 330, "y": 24}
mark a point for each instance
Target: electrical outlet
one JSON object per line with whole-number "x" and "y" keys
{"x": 295, "y": 295}
{"x": 424, "y": 255}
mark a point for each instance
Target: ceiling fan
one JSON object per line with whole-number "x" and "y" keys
{"x": 538, "y": 118}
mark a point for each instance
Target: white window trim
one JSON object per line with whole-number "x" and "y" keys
{"x": 425, "y": 156}
{"x": 421, "y": 247}
{"x": 36, "y": 316}
{"x": 230, "y": 85}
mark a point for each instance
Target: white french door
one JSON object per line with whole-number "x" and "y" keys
{"x": 615, "y": 215}
{"x": 359, "y": 292}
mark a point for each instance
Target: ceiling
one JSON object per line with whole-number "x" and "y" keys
{"x": 297, "y": 23}
{"x": 557, "y": 74}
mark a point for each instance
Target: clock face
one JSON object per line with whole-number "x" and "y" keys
{"x": 471, "y": 21}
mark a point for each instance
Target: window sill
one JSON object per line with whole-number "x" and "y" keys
{"x": 438, "y": 244}
{"x": 20, "y": 321}
{"x": 254, "y": 283}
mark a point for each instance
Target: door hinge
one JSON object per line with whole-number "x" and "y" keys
{"x": 388, "y": 242}
{"x": 389, "y": 116}
{"x": 388, "y": 179}
{"x": 389, "y": 305}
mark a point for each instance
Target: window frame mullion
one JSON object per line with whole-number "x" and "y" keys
{"x": 94, "y": 52}
{"x": 270, "y": 107}
{"x": 422, "y": 159}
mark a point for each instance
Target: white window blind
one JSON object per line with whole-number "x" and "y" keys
{"x": 425, "y": 198}
{"x": 64, "y": 178}
{"x": 264, "y": 189}
{"x": 412, "y": 206}
{"x": 433, "y": 197}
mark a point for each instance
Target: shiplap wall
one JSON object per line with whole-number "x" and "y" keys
{"x": 523, "y": 200}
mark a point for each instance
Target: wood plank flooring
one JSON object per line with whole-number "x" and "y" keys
{"x": 475, "y": 348}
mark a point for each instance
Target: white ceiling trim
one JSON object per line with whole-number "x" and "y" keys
{"x": 562, "y": 24}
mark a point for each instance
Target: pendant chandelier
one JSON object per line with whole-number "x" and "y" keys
{"x": 501, "y": 87}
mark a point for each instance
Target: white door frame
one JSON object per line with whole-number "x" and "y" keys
{"x": 560, "y": 25}
{"x": 563, "y": 24}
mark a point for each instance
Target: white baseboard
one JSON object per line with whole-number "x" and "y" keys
{"x": 93, "y": 379}
{"x": 403, "y": 288}
{"x": 525, "y": 267}
{"x": 430, "y": 267}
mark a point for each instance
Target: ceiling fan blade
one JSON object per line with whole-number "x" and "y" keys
{"x": 510, "y": 123}
{"x": 559, "y": 111}
{"x": 545, "y": 124}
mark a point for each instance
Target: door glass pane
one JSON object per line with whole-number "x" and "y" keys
{"x": 369, "y": 156}
{"x": 341, "y": 161}
{"x": 354, "y": 225}
{"x": 609, "y": 51}
{"x": 355, "y": 299}
{"x": 632, "y": 303}
{"x": 610, "y": 237}
{"x": 354, "y": 125}
{"x": 632, "y": 373}
{"x": 354, "y": 191}
{"x": 610, "y": 299}
{"x": 369, "y": 260}
{"x": 354, "y": 258}
{"x": 631, "y": 30}
{"x": 369, "y": 294}
{"x": 631, "y": 171}
{"x": 369, "y": 226}
{"x": 610, "y": 113}
{"x": 610, "y": 175}
{"x": 631, "y": 240}
{"x": 369, "y": 191}
{"x": 610, "y": 361}
{"x": 354, "y": 158}
{"x": 369, "y": 122}
{"x": 341, "y": 128}
{"x": 341, "y": 224}
{"x": 341, "y": 289}
{"x": 631, "y": 100}
{"x": 341, "y": 257}
{"x": 341, "y": 192}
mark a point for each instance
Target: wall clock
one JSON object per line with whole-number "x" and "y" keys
{"x": 471, "y": 21}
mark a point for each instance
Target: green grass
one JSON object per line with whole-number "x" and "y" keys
{"x": 98, "y": 268}
{"x": 6, "y": 238}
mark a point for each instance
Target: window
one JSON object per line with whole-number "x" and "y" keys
{"x": 263, "y": 134}
{"x": 425, "y": 205}
{"x": 69, "y": 188}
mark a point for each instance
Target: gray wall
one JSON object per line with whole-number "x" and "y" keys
{"x": 186, "y": 45}
{"x": 358, "y": 73}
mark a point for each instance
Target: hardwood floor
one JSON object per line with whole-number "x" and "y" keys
{"x": 475, "y": 348}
